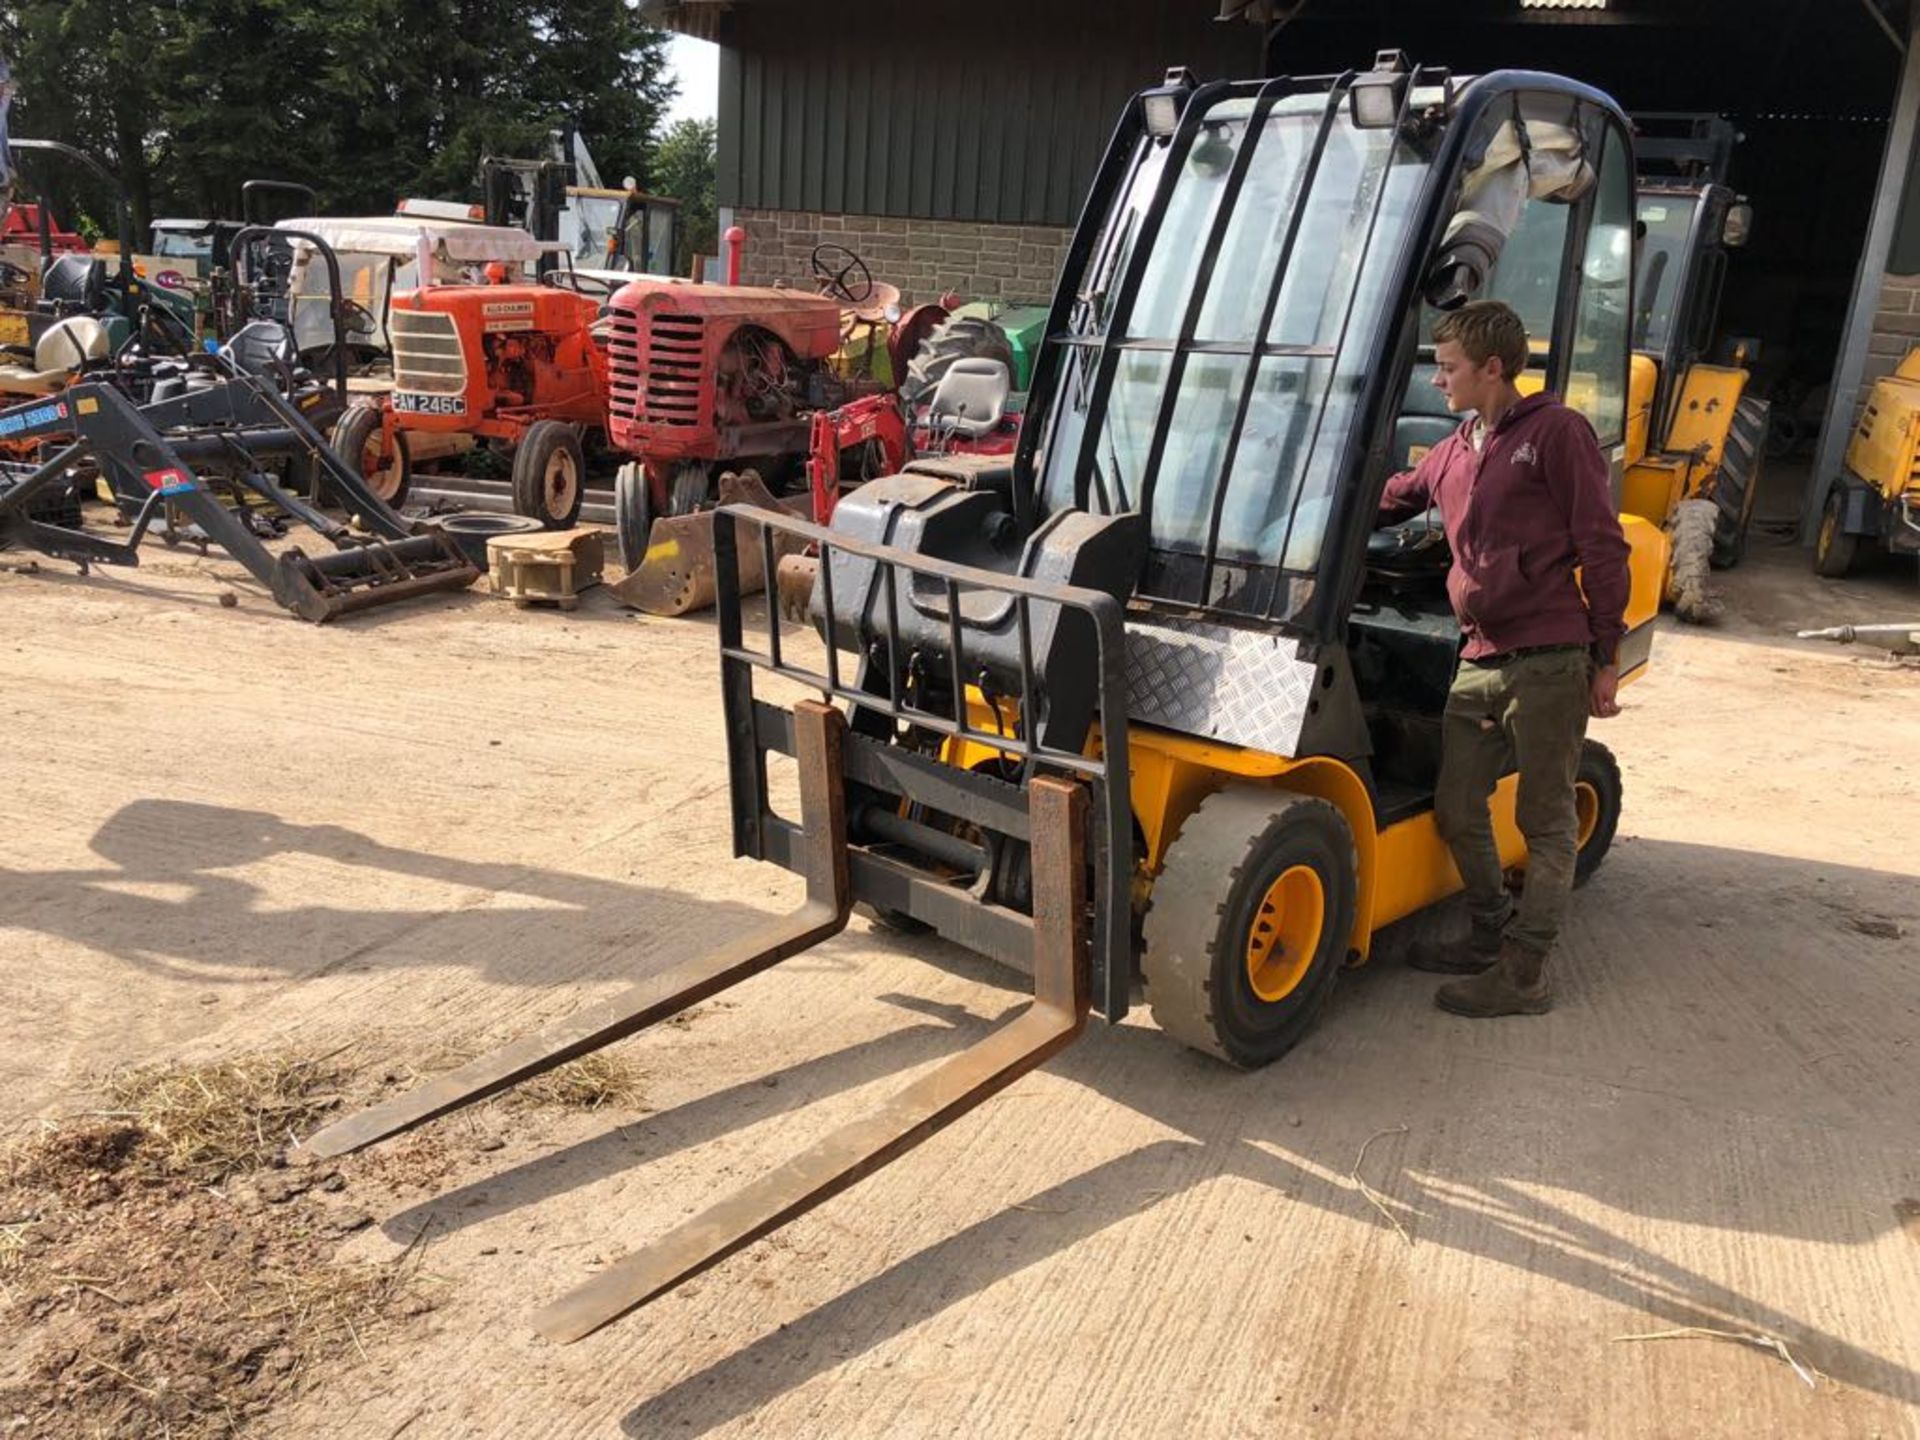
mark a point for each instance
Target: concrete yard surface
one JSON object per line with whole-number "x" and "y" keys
{"x": 436, "y": 825}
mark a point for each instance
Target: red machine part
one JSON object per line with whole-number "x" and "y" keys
{"x": 874, "y": 420}
{"x": 22, "y": 227}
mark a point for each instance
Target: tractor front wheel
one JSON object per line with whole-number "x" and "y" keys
{"x": 359, "y": 440}
{"x": 549, "y": 474}
{"x": 689, "y": 487}
{"x": 632, "y": 513}
{"x": 1250, "y": 922}
{"x": 1833, "y": 548}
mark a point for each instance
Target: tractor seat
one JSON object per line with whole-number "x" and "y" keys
{"x": 971, "y": 398}
{"x": 1415, "y": 435}
{"x": 62, "y": 352}
{"x": 72, "y": 283}
{"x": 873, "y": 310}
{"x": 261, "y": 347}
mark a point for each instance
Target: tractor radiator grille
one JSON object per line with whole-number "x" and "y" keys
{"x": 426, "y": 353}
{"x": 672, "y": 377}
{"x": 653, "y": 373}
{"x": 625, "y": 365}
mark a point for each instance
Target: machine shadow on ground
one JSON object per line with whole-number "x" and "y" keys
{"x": 1675, "y": 1115}
{"x": 216, "y": 919}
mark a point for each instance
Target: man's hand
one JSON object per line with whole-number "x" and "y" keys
{"x": 1601, "y": 703}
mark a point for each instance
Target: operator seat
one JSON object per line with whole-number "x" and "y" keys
{"x": 73, "y": 285}
{"x": 60, "y": 354}
{"x": 262, "y": 347}
{"x": 1421, "y": 422}
{"x": 970, "y": 399}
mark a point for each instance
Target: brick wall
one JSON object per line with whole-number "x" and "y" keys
{"x": 1896, "y": 330}
{"x": 1896, "y": 326}
{"x": 923, "y": 257}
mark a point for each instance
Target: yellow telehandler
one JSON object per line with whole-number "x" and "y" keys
{"x": 1151, "y": 706}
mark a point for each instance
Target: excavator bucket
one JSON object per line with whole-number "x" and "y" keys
{"x": 178, "y": 462}
{"x": 676, "y": 576}
{"x": 1049, "y": 840}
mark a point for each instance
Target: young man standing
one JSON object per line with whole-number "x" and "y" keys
{"x": 1523, "y": 493}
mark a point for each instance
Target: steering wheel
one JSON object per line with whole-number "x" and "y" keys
{"x": 591, "y": 286}
{"x": 841, "y": 273}
{"x": 357, "y": 320}
{"x": 175, "y": 335}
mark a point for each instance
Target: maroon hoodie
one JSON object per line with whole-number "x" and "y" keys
{"x": 1520, "y": 514}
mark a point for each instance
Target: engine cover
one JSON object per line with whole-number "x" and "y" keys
{"x": 933, "y": 517}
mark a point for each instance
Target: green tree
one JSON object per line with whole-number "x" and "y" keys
{"x": 683, "y": 169}
{"x": 365, "y": 100}
{"x": 84, "y": 73}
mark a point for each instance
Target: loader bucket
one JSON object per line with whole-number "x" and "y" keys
{"x": 376, "y": 572}
{"x": 196, "y": 463}
{"x": 1064, "y": 836}
{"x": 676, "y": 577}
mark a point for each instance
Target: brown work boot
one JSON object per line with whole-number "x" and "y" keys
{"x": 1466, "y": 955}
{"x": 1516, "y": 984}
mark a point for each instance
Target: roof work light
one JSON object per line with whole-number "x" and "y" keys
{"x": 1162, "y": 104}
{"x": 1376, "y": 95}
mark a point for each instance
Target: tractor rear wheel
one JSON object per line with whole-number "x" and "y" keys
{"x": 1596, "y": 803}
{"x": 965, "y": 337}
{"x": 632, "y": 513}
{"x": 359, "y": 442}
{"x": 549, "y": 474}
{"x": 1833, "y": 548}
{"x": 1249, "y": 922}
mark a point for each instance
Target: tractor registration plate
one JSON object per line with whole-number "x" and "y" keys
{"x": 429, "y": 404}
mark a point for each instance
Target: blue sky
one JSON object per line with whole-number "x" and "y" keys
{"x": 697, "y": 65}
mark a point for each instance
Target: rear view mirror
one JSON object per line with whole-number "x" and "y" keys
{"x": 1738, "y": 225}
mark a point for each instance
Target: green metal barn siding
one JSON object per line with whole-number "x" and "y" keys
{"x": 852, "y": 113}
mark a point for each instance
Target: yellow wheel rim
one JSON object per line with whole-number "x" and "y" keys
{"x": 1586, "y": 809}
{"x": 1286, "y": 933}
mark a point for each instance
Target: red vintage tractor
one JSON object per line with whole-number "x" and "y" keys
{"x": 511, "y": 364}
{"x": 707, "y": 380}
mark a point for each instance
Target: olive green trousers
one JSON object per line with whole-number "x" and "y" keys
{"x": 1528, "y": 713}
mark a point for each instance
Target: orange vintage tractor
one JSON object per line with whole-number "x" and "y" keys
{"x": 511, "y": 364}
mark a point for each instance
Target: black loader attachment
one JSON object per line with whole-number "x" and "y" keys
{"x": 965, "y": 764}
{"x": 201, "y": 465}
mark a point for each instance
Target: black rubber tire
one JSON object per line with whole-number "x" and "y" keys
{"x": 632, "y": 513}
{"x": 472, "y": 531}
{"x": 1738, "y": 484}
{"x": 963, "y": 337}
{"x": 547, "y": 442}
{"x": 1205, "y": 901}
{"x": 1599, "y": 771}
{"x": 689, "y": 487}
{"x": 1834, "y": 550}
{"x": 351, "y": 436}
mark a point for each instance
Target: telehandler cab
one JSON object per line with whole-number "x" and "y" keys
{"x": 1153, "y": 705}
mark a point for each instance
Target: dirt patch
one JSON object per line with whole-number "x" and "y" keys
{"x": 167, "y": 1272}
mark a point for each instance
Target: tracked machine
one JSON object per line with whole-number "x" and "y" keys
{"x": 1151, "y": 708}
